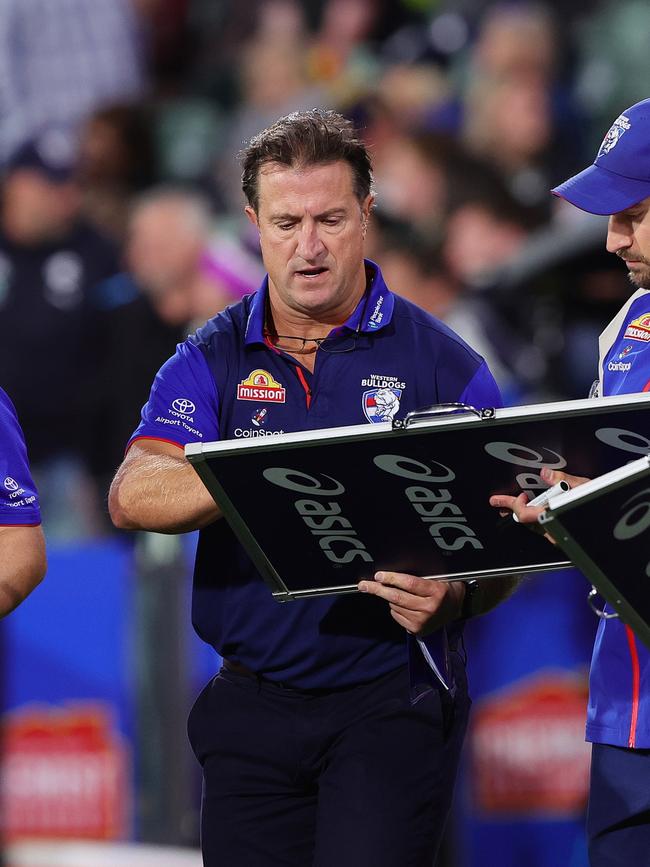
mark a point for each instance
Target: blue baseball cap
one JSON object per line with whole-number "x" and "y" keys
{"x": 620, "y": 174}
{"x": 53, "y": 154}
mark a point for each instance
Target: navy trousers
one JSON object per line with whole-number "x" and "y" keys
{"x": 618, "y": 818}
{"x": 355, "y": 777}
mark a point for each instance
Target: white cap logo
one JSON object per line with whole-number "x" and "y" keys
{"x": 620, "y": 125}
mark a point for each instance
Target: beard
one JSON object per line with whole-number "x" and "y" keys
{"x": 641, "y": 277}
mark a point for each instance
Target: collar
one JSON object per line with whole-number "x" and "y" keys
{"x": 373, "y": 312}
{"x": 609, "y": 335}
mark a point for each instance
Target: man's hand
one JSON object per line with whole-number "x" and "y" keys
{"x": 519, "y": 505}
{"x": 420, "y": 605}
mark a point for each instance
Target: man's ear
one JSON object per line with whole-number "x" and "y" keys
{"x": 366, "y": 208}
{"x": 252, "y": 216}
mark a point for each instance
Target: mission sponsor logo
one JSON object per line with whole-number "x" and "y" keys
{"x": 259, "y": 385}
{"x": 639, "y": 329}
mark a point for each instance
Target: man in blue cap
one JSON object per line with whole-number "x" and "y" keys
{"x": 618, "y": 719}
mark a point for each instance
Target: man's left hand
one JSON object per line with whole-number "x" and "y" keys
{"x": 420, "y": 605}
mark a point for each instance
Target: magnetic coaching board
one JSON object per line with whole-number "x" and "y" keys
{"x": 603, "y": 526}
{"x": 318, "y": 511}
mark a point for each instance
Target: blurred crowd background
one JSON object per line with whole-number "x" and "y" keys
{"x": 121, "y": 229}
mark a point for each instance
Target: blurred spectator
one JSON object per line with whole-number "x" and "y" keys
{"x": 413, "y": 93}
{"x": 49, "y": 259}
{"x": 516, "y": 40}
{"x": 485, "y": 226}
{"x": 414, "y": 266}
{"x": 341, "y": 56}
{"x": 412, "y": 177}
{"x": 417, "y": 270}
{"x": 167, "y": 253}
{"x": 273, "y": 81}
{"x": 515, "y": 113}
{"x": 613, "y": 64}
{"x": 180, "y": 273}
{"x": 59, "y": 61}
{"x": 117, "y": 159}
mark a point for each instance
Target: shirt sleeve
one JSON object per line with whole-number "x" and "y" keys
{"x": 482, "y": 391}
{"x": 18, "y": 495}
{"x": 183, "y": 405}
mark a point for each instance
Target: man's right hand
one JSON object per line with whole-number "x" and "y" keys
{"x": 519, "y": 505}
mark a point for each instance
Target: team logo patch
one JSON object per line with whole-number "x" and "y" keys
{"x": 626, "y": 351}
{"x": 259, "y": 385}
{"x": 639, "y": 329}
{"x": 620, "y": 125}
{"x": 381, "y": 404}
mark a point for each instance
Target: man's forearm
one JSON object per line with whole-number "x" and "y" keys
{"x": 160, "y": 492}
{"x": 22, "y": 564}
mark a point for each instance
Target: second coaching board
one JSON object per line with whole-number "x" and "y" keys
{"x": 319, "y": 511}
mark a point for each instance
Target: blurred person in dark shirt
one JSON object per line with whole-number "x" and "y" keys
{"x": 416, "y": 263}
{"x": 50, "y": 257}
{"x": 117, "y": 160}
{"x": 180, "y": 272}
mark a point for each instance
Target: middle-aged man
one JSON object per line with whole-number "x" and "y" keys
{"x": 22, "y": 546}
{"x": 618, "y": 719}
{"x": 313, "y": 745}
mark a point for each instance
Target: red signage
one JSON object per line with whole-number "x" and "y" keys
{"x": 64, "y": 773}
{"x": 528, "y": 752}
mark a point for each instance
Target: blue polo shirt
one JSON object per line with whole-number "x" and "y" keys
{"x": 619, "y": 684}
{"x": 227, "y": 382}
{"x": 18, "y": 497}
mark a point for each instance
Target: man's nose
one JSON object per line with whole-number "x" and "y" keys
{"x": 619, "y": 234}
{"x": 310, "y": 244}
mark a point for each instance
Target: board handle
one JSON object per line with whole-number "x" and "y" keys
{"x": 438, "y": 409}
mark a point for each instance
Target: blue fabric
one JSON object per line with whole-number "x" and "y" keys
{"x": 619, "y": 176}
{"x": 618, "y": 824}
{"x": 626, "y": 369}
{"x": 18, "y": 496}
{"x": 225, "y": 382}
{"x": 350, "y": 777}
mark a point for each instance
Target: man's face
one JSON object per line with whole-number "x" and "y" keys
{"x": 628, "y": 235}
{"x": 312, "y": 229}
{"x": 163, "y": 248}
{"x": 36, "y": 210}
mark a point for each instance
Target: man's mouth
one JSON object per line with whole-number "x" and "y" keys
{"x": 311, "y": 272}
